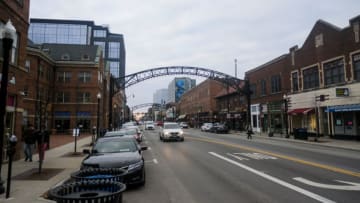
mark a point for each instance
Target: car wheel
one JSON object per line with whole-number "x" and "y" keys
{"x": 182, "y": 139}
{"x": 142, "y": 183}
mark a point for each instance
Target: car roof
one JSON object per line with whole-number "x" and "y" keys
{"x": 115, "y": 138}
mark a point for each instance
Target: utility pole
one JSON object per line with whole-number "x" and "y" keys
{"x": 320, "y": 98}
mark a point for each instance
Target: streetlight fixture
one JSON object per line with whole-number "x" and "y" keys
{"x": 98, "y": 115}
{"x": 7, "y": 35}
{"x": 286, "y": 100}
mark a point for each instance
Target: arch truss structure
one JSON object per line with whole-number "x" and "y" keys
{"x": 140, "y": 106}
{"x": 134, "y": 78}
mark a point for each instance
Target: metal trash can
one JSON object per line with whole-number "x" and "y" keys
{"x": 300, "y": 133}
{"x": 114, "y": 174}
{"x": 94, "y": 191}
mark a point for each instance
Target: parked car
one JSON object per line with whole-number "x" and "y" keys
{"x": 118, "y": 152}
{"x": 149, "y": 125}
{"x": 184, "y": 125}
{"x": 206, "y": 126}
{"x": 219, "y": 128}
{"x": 159, "y": 123}
{"x": 171, "y": 131}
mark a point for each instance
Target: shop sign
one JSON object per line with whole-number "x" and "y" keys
{"x": 342, "y": 92}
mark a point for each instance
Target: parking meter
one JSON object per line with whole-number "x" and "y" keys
{"x": 10, "y": 152}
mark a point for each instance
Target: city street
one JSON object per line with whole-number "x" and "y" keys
{"x": 209, "y": 167}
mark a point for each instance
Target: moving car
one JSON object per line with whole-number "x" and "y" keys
{"x": 206, "y": 126}
{"x": 184, "y": 125}
{"x": 171, "y": 131}
{"x": 118, "y": 152}
{"x": 219, "y": 128}
{"x": 149, "y": 125}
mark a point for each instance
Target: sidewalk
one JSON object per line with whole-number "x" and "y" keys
{"x": 322, "y": 141}
{"x": 27, "y": 185}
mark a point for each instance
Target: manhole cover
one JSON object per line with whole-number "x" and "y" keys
{"x": 33, "y": 174}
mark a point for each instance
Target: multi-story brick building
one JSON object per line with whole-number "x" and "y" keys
{"x": 63, "y": 84}
{"x": 18, "y": 13}
{"x": 198, "y": 105}
{"x": 325, "y": 68}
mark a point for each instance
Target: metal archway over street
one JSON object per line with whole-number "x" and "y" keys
{"x": 134, "y": 78}
{"x": 156, "y": 105}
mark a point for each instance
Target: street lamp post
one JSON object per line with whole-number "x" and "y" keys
{"x": 98, "y": 115}
{"x": 7, "y": 35}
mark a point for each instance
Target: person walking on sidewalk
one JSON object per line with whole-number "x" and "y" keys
{"x": 29, "y": 139}
{"x": 249, "y": 132}
{"x": 43, "y": 139}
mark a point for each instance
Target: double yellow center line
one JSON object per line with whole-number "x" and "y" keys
{"x": 297, "y": 160}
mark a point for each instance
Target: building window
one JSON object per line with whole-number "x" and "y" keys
{"x": 311, "y": 78}
{"x": 356, "y": 66}
{"x": 114, "y": 50}
{"x": 319, "y": 40}
{"x": 85, "y": 57}
{"x": 295, "y": 81}
{"x": 84, "y": 77}
{"x": 334, "y": 72}
{"x": 65, "y": 57}
{"x": 102, "y": 45}
{"x": 275, "y": 84}
{"x": 356, "y": 32}
{"x": 263, "y": 87}
{"x": 41, "y": 71}
{"x": 99, "y": 33}
{"x": 253, "y": 90}
{"x": 27, "y": 65}
{"x": 83, "y": 97}
{"x": 114, "y": 68}
{"x": 62, "y": 97}
{"x": 63, "y": 77}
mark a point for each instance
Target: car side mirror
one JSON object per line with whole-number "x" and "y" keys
{"x": 143, "y": 148}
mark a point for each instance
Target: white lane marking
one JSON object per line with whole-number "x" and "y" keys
{"x": 155, "y": 161}
{"x": 352, "y": 186}
{"x": 237, "y": 157}
{"x": 257, "y": 156}
{"x": 276, "y": 180}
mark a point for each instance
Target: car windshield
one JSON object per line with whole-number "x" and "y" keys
{"x": 112, "y": 146}
{"x": 171, "y": 126}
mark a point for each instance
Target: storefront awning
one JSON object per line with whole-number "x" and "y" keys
{"x": 342, "y": 108}
{"x": 182, "y": 116}
{"x": 300, "y": 111}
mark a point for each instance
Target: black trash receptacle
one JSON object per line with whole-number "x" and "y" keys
{"x": 95, "y": 191}
{"x": 115, "y": 174}
{"x": 301, "y": 133}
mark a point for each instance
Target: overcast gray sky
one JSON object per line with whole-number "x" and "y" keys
{"x": 202, "y": 33}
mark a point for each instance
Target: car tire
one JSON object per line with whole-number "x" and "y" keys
{"x": 142, "y": 183}
{"x": 182, "y": 139}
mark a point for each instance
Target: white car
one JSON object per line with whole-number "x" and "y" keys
{"x": 149, "y": 125}
{"x": 206, "y": 126}
{"x": 171, "y": 131}
{"x": 184, "y": 125}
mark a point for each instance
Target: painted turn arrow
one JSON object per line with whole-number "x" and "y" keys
{"x": 352, "y": 186}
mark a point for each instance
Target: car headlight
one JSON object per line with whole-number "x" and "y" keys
{"x": 166, "y": 133}
{"x": 181, "y": 132}
{"x": 135, "y": 166}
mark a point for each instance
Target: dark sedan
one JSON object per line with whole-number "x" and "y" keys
{"x": 219, "y": 128}
{"x": 118, "y": 152}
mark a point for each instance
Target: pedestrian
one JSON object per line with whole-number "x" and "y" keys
{"x": 29, "y": 139}
{"x": 43, "y": 139}
{"x": 249, "y": 133}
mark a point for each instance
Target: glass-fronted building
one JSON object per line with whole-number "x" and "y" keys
{"x": 178, "y": 87}
{"x": 85, "y": 33}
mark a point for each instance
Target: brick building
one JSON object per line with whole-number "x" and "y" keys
{"x": 18, "y": 13}
{"x": 198, "y": 105}
{"x": 63, "y": 84}
{"x": 326, "y": 68}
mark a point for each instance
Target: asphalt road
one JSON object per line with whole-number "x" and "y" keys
{"x": 209, "y": 167}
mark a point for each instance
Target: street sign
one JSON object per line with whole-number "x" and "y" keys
{"x": 342, "y": 92}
